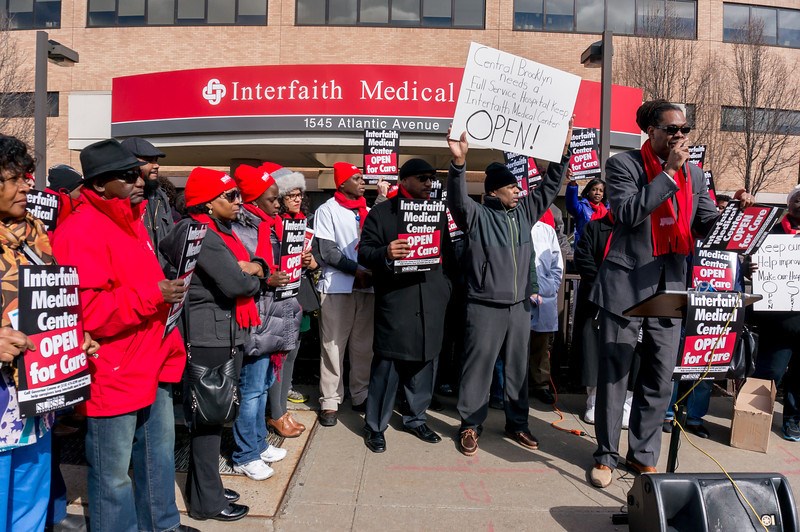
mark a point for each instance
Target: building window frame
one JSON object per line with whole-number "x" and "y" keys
{"x": 772, "y": 121}
{"x": 36, "y": 14}
{"x": 638, "y": 30}
{"x": 239, "y": 19}
{"x": 394, "y": 23}
{"x": 779, "y": 14}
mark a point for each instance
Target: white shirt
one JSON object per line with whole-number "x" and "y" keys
{"x": 549, "y": 271}
{"x": 341, "y": 226}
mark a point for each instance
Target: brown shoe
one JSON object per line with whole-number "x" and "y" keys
{"x": 637, "y": 469}
{"x": 468, "y": 442}
{"x": 600, "y": 476}
{"x": 296, "y": 424}
{"x": 284, "y": 427}
{"x": 524, "y": 438}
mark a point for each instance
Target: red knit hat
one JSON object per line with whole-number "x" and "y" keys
{"x": 344, "y": 171}
{"x": 252, "y": 182}
{"x": 205, "y": 184}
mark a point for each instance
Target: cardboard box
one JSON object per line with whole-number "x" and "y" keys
{"x": 752, "y": 415}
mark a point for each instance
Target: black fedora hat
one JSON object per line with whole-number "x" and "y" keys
{"x": 106, "y": 156}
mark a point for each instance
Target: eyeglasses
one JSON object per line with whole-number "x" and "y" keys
{"x": 19, "y": 180}
{"x": 425, "y": 178}
{"x": 232, "y": 196}
{"x": 673, "y": 129}
{"x": 130, "y": 176}
{"x": 294, "y": 196}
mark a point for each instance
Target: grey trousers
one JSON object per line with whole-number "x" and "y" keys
{"x": 385, "y": 376}
{"x": 651, "y": 391}
{"x": 493, "y": 330}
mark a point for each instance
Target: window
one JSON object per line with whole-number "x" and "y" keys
{"x": 31, "y": 14}
{"x": 20, "y": 104}
{"x": 394, "y": 13}
{"x": 104, "y": 13}
{"x": 625, "y": 17}
{"x": 778, "y": 121}
{"x": 780, "y": 27}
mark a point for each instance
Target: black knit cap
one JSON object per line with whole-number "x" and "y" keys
{"x": 414, "y": 167}
{"x": 63, "y": 177}
{"x": 497, "y": 176}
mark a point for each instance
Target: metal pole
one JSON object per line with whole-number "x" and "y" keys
{"x": 605, "y": 96}
{"x": 40, "y": 109}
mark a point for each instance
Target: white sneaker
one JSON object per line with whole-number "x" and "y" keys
{"x": 588, "y": 416}
{"x": 273, "y": 454}
{"x": 256, "y": 470}
{"x": 626, "y": 410}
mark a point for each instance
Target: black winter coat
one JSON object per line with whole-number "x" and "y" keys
{"x": 409, "y": 307}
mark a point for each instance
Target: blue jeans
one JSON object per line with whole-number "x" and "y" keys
{"x": 250, "y": 427}
{"x": 696, "y": 403}
{"x": 147, "y": 436}
{"x": 25, "y": 486}
{"x": 771, "y": 364}
{"x": 498, "y": 382}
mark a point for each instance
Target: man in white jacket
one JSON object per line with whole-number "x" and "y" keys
{"x": 544, "y": 308}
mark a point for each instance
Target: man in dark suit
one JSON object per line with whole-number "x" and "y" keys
{"x": 658, "y": 200}
{"x": 409, "y": 312}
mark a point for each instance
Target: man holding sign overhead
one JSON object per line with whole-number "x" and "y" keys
{"x": 498, "y": 268}
{"x": 658, "y": 201}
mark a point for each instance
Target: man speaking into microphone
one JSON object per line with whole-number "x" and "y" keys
{"x": 658, "y": 200}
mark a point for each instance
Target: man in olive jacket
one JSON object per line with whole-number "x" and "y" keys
{"x": 409, "y": 313}
{"x": 498, "y": 268}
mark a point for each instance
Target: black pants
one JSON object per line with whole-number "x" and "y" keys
{"x": 205, "y": 494}
{"x": 384, "y": 378}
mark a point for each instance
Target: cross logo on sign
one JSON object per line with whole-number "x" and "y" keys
{"x": 214, "y": 91}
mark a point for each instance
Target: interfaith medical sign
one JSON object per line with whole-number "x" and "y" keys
{"x": 325, "y": 98}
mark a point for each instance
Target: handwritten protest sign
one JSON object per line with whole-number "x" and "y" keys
{"x": 713, "y": 322}
{"x": 778, "y": 274}
{"x": 514, "y": 104}
{"x": 742, "y": 231}
{"x": 421, "y": 224}
{"x": 191, "y": 249}
{"x": 294, "y": 238}
{"x": 56, "y": 374}
{"x": 44, "y": 205}
{"x": 381, "y": 151}
{"x": 716, "y": 268}
{"x": 585, "y": 159}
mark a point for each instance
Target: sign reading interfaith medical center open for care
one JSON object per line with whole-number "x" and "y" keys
{"x": 513, "y": 104}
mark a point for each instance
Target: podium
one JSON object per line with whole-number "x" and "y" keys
{"x": 672, "y": 304}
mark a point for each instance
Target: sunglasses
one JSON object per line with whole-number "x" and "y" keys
{"x": 232, "y": 196}
{"x": 673, "y": 129}
{"x": 130, "y": 176}
{"x": 425, "y": 178}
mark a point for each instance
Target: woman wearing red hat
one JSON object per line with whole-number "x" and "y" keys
{"x": 220, "y": 312}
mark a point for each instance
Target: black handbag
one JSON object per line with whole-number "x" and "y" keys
{"x": 212, "y": 393}
{"x": 743, "y": 362}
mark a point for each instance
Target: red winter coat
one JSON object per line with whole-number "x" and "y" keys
{"x": 123, "y": 308}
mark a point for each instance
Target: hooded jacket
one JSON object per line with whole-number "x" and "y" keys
{"x": 122, "y": 305}
{"x": 497, "y": 260}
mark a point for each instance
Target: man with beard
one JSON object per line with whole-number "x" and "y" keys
{"x": 158, "y": 214}
{"x": 409, "y": 313}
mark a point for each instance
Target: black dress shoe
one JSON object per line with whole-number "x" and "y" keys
{"x": 360, "y": 408}
{"x": 698, "y": 430}
{"x": 375, "y": 441}
{"x": 436, "y": 405}
{"x": 231, "y": 496}
{"x": 327, "y": 418}
{"x": 424, "y": 433}
{"x": 187, "y": 528}
{"x": 232, "y": 512}
{"x": 666, "y": 426}
{"x": 544, "y": 395}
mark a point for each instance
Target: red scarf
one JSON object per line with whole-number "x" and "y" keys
{"x": 787, "y": 226}
{"x": 293, "y": 216}
{"x": 671, "y": 233}
{"x": 265, "y": 228}
{"x": 360, "y": 204}
{"x": 547, "y": 218}
{"x": 608, "y": 242}
{"x": 401, "y": 190}
{"x": 246, "y": 311}
{"x": 598, "y": 210}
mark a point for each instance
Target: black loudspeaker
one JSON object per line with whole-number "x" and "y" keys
{"x": 705, "y": 502}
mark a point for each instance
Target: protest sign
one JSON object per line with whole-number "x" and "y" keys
{"x": 742, "y": 231}
{"x": 778, "y": 274}
{"x": 56, "y": 374}
{"x": 44, "y": 205}
{"x": 294, "y": 238}
{"x": 716, "y": 268}
{"x": 525, "y": 170}
{"x": 309, "y": 238}
{"x": 421, "y": 225}
{"x": 191, "y": 249}
{"x": 712, "y": 190}
{"x": 585, "y": 159}
{"x": 381, "y": 152}
{"x": 456, "y": 234}
{"x": 713, "y": 323}
{"x": 697, "y": 155}
{"x": 514, "y": 104}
